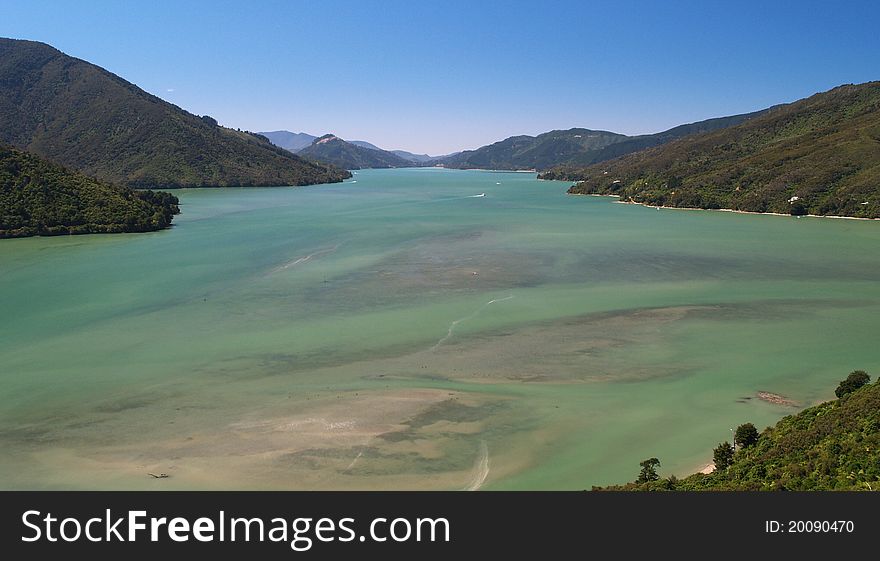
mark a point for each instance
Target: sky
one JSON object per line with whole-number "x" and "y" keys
{"x": 437, "y": 77}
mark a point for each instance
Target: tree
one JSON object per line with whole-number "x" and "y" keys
{"x": 854, "y": 381}
{"x": 746, "y": 435}
{"x": 723, "y": 455}
{"x": 798, "y": 209}
{"x": 649, "y": 470}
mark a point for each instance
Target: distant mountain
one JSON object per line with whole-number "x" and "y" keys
{"x": 41, "y": 198}
{"x": 415, "y": 158}
{"x": 409, "y": 156}
{"x": 293, "y": 141}
{"x": 819, "y": 155}
{"x": 533, "y": 152}
{"x": 333, "y": 150}
{"x": 297, "y": 141}
{"x": 575, "y": 147}
{"x": 84, "y": 117}
{"x": 636, "y": 143}
{"x": 364, "y": 144}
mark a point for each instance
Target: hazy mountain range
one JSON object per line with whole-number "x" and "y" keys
{"x": 577, "y": 146}
{"x": 295, "y": 142}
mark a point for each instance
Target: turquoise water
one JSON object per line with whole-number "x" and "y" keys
{"x": 396, "y": 331}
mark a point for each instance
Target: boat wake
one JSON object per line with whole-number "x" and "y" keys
{"x": 305, "y": 258}
{"x": 481, "y": 468}
{"x": 354, "y": 461}
{"x": 455, "y": 323}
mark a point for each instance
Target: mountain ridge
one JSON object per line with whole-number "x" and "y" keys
{"x": 575, "y": 146}
{"x": 84, "y": 117}
{"x": 819, "y": 155}
{"x": 292, "y": 141}
{"x": 346, "y": 155}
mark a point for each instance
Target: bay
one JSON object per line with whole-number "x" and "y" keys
{"x": 403, "y": 331}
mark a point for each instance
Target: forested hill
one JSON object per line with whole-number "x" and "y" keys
{"x": 346, "y": 155}
{"x": 41, "y": 198}
{"x": 82, "y": 116}
{"x": 533, "y": 152}
{"x": 574, "y": 147}
{"x": 832, "y": 446}
{"x": 819, "y": 155}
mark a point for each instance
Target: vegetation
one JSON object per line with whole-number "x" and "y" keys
{"x": 81, "y": 116}
{"x": 854, "y": 381}
{"x": 41, "y": 198}
{"x": 723, "y": 455}
{"x": 573, "y": 147}
{"x": 832, "y": 446}
{"x": 816, "y": 156}
{"x": 649, "y": 470}
{"x": 533, "y": 152}
{"x": 333, "y": 150}
{"x": 746, "y": 435}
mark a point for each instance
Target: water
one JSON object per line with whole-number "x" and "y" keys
{"x": 400, "y": 333}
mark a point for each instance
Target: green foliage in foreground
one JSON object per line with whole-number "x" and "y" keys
{"x": 746, "y": 435}
{"x": 649, "y": 470}
{"x": 819, "y": 155}
{"x": 723, "y": 455}
{"x": 854, "y": 381}
{"x": 41, "y": 198}
{"x": 832, "y": 446}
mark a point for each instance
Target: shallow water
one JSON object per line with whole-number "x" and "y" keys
{"x": 399, "y": 332}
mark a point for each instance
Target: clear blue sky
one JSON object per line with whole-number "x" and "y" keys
{"x": 441, "y": 76}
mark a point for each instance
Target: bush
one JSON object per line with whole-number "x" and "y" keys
{"x": 746, "y": 435}
{"x": 854, "y": 381}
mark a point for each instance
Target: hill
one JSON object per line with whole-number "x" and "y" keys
{"x": 41, "y": 198}
{"x": 819, "y": 155}
{"x": 292, "y": 141}
{"x": 415, "y": 158}
{"x": 333, "y": 150}
{"x": 82, "y": 116}
{"x": 575, "y": 148}
{"x": 641, "y": 142}
{"x": 832, "y": 446}
{"x": 533, "y": 152}
{"x": 365, "y": 144}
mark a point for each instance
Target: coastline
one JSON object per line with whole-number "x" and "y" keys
{"x": 497, "y": 170}
{"x": 722, "y": 209}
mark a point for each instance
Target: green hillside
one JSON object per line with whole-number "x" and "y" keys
{"x": 88, "y": 119}
{"x": 832, "y": 446}
{"x": 573, "y": 148}
{"x": 819, "y": 155}
{"x": 41, "y": 198}
{"x": 533, "y": 152}
{"x": 346, "y": 155}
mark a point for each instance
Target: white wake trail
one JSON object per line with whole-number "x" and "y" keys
{"x": 354, "y": 461}
{"x": 481, "y": 468}
{"x": 453, "y": 325}
{"x": 305, "y": 258}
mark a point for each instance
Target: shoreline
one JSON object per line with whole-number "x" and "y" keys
{"x": 722, "y": 209}
{"x": 494, "y": 170}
